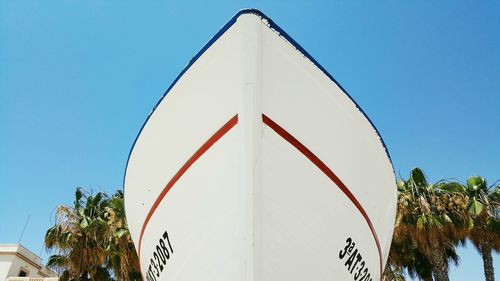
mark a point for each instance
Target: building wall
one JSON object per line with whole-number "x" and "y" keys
{"x": 19, "y": 263}
{"x": 13, "y": 258}
{"x": 5, "y": 262}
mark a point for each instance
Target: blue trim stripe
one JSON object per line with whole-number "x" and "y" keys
{"x": 282, "y": 33}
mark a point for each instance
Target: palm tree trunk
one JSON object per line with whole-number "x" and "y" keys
{"x": 440, "y": 265}
{"x": 487, "y": 263}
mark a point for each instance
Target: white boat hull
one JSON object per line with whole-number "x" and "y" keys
{"x": 257, "y": 166}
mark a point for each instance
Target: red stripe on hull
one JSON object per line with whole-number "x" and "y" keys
{"x": 329, "y": 173}
{"x": 289, "y": 138}
{"x": 204, "y": 148}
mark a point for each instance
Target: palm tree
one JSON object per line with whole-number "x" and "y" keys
{"x": 404, "y": 255}
{"x": 91, "y": 240}
{"x": 484, "y": 208}
{"x": 77, "y": 240}
{"x": 432, "y": 219}
{"x": 122, "y": 257}
{"x": 393, "y": 273}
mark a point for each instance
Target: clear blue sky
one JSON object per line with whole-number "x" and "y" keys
{"x": 78, "y": 78}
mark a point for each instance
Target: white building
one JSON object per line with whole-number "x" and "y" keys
{"x": 19, "y": 264}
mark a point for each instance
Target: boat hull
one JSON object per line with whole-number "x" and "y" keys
{"x": 256, "y": 165}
